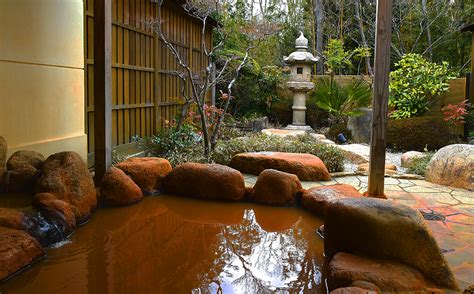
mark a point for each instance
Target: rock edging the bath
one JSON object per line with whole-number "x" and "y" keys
{"x": 317, "y": 199}
{"x": 146, "y": 172}
{"x": 17, "y": 251}
{"x": 117, "y": 188}
{"x": 276, "y": 188}
{"x": 306, "y": 167}
{"x": 383, "y": 229}
{"x": 65, "y": 176}
{"x": 205, "y": 181}
{"x": 389, "y": 276}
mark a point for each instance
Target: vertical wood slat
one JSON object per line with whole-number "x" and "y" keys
{"x": 102, "y": 87}
{"x": 380, "y": 99}
{"x": 133, "y": 44}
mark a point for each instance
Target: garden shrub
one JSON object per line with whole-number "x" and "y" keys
{"x": 180, "y": 146}
{"x": 336, "y": 129}
{"x": 418, "y": 166}
{"x": 341, "y": 101}
{"x": 415, "y": 85}
{"x": 332, "y": 157}
{"x": 418, "y": 133}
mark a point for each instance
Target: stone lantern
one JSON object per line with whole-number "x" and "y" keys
{"x": 300, "y": 63}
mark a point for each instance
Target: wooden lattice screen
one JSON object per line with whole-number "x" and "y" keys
{"x": 145, "y": 89}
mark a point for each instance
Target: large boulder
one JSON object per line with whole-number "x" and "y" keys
{"x": 276, "y": 188}
{"x": 117, "y": 188}
{"x": 316, "y": 199}
{"x": 408, "y": 158}
{"x": 24, "y": 158}
{"x": 65, "y": 176}
{"x": 306, "y": 166}
{"x": 361, "y": 126}
{"x": 205, "y": 181}
{"x": 17, "y": 251}
{"x": 386, "y": 230}
{"x": 345, "y": 269}
{"x": 146, "y": 172}
{"x": 452, "y": 166}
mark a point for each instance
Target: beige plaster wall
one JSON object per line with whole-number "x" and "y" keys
{"x": 42, "y": 75}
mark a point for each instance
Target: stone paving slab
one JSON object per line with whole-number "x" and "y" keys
{"x": 449, "y": 213}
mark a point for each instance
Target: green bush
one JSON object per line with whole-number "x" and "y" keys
{"x": 332, "y": 157}
{"x": 418, "y": 133}
{"x": 415, "y": 85}
{"x": 336, "y": 129}
{"x": 419, "y": 165}
{"x": 341, "y": 101}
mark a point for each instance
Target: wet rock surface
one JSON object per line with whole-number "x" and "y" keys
{"x": 388, "y": 276}
{"x": 276, "y": 188}
{"x": 205, "y": 181}
{"x": 12, "y": 218}
{"x": 17, "y": 250}
{"x": 306, "y": 166}
{"x": 316, "y": 199}
{"x": 56, "y": 210}
{"x": 65, "y": 175}
{"x": 385, "y": 230}
{"x": 453, "y": 166}
{"x": 146, "y": 172}
{"x": 117, "y": 188}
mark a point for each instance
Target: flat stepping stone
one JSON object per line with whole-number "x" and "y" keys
{"x": 306, "y": 166}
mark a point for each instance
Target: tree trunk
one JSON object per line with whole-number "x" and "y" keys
{"x": 362, "y": 35}
{"x": 319, "y": 16}
{"x": 427, "y": 28}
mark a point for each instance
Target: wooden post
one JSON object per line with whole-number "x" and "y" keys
{"x": 380, "y": 99}
{"x": 102, "y": 87}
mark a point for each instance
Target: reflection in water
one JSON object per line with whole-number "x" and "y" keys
{"x": 175, "y": 245}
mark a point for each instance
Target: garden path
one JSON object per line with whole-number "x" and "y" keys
{"x": 449, "y": 213}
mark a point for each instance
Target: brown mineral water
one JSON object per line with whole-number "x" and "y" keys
{"x": 170, "y": 244}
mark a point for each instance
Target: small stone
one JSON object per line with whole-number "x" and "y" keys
{"x": 356, "y": 153}
{"x": 408, "y": 158}
{"x": 117, "y": 188}
{"x": 22, "y": 179}
{"x": 276, "y": 188}
{"x": 389, "y": 168}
